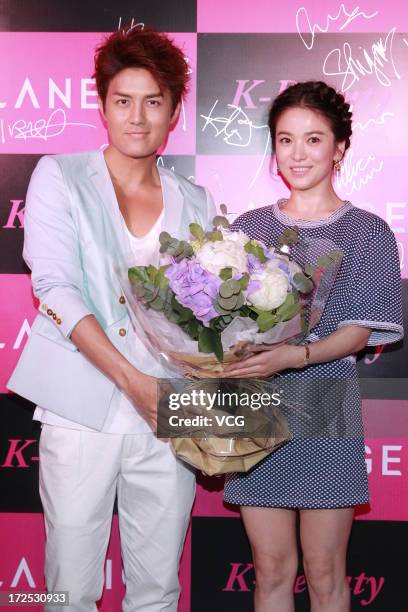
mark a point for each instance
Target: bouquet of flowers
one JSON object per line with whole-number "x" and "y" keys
{"x": 221, "y": 296}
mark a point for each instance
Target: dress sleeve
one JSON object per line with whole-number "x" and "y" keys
{"x": 375, "y": 300}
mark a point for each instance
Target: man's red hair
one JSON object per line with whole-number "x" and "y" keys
{"x": 142, "y": 48}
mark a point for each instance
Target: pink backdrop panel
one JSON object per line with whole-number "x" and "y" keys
{"x": 305, "y": 17}
{"x": 387, "y": 464}
{"x": 48, "y": 103}
{"x": 17, "y": 312}
{"x": 22, "y": 539}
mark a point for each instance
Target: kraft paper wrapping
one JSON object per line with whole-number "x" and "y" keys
{"x": 215, "y": 456}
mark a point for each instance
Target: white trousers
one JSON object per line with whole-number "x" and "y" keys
{"x": 80, "y": 473}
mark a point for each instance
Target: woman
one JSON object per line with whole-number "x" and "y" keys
{"x": 324, "y": 476}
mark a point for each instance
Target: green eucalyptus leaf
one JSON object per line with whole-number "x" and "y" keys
{"x": 240, "y": 301}
{"x": 225, "y": 290}
{"x": 139, "y": 291}
{"x": 214, "y": 236}
{"x": 302, "y": 282}
{"x": 289, "y": 308}
{"x": 254, "y": 248}
{"x": 209, "y": 341}
{"x": 244, "y": 281}
{"x": 164, "y": 237}
{"x": 157, "y": 303}
{"x": 188, "y": 250}
{"x": 235, "y": 285}
{"x": 309, "y": 270}
{"x": 336, "y": 254}
{"x": 325, "y": 261}
{"x": 289, "y": 236}
{"x": 228, "y": 303}
{"x": 192, "y": 329}
{"x": 172, "y": 316}
{"x": 266, "y": 320}
{"x": 137, "y": 274}
{"x": 220, "y": 221}
{"x": 225, "y": 274}
{"x": 220, "y": 309}
{"x": 197, "y": 231}
{"x": 161, "y": 280}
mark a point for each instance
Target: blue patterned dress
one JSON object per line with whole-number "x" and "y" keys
{"x": 328, "y": 471}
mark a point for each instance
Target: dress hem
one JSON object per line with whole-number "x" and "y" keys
{"x": 303, "y": 506}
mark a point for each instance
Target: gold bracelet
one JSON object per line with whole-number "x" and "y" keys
{"x": 307, "y": 356}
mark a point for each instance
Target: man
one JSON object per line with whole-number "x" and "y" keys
{"x": 84, "y": 365}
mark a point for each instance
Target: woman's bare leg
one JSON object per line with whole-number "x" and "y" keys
{"x": 272, "y": 535}
{"x": 324, "y": 536}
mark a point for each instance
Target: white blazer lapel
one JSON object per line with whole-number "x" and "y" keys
{"x": 173, "y": 200}
{"x": 99, "y": 176}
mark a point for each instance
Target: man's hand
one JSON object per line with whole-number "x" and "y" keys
{"x": 95, "y": 345}
{"x": 142, "y": 390}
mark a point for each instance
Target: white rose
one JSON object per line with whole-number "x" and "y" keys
{"x": 214, "y": 256}
{"x": 273, "y": 290}
{"x": 238, "y": 236}
{"x": 274, "y": 263}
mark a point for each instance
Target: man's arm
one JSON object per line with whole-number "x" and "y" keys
{"x": 51, "y": 250}
{"x": 94, "y": 344}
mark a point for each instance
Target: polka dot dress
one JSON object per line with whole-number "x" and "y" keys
{"x": 327, "y": 470}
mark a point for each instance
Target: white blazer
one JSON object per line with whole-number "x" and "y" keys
{"x": 74, "y": 239}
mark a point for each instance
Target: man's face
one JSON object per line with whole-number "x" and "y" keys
{"x": 138, "y": 114}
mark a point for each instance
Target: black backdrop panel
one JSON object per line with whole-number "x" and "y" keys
{"x": 249, "y": 70}
{"x": 18, "y": 456}
{"x": 389, "y": 361}
{"x": 96, "y": 15}
{"x": 181, "y": 164}
{"x": 15, "y": 176}
{"x": 223, "y": 577}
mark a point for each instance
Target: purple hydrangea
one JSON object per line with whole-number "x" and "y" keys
{"x": 254, "y": 265}
{"x": 195, "y": 288}
{"x": 253, "y": 286}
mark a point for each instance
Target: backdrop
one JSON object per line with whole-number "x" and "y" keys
{"x": 241, "y": 55}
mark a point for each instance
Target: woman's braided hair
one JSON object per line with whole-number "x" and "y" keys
{"x": 319, "y": 97}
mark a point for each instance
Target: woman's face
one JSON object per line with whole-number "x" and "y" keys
{"x": 305, "y": 148}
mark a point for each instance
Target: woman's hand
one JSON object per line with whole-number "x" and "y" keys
{"x": 347, "y": 340}
{"x": 267, "y": 363}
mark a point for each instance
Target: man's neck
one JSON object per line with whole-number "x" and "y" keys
{"x": 129, "y": 172}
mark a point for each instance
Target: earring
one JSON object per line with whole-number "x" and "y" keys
{"x": 277, "y": 170}
{"x": 337, "y": 165}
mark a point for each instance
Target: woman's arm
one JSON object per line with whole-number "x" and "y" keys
{"x": 344, "y": 342}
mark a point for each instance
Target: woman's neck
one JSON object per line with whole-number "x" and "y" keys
{"x": 312, "y": 204}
